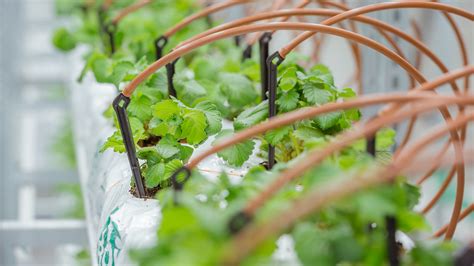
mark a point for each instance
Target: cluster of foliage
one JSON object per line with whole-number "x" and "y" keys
{"x": 349, "y": 232}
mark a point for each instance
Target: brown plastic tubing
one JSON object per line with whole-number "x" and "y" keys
{"x": 376, "y": 7}
{"x": 130, "y": 9}
{"x": 271, "y": 26}
{"x": 468, "y": 210}
{"x": 302, "y": 4}
{"x": 251, "y": 236}
{"x": 325, "y": 12}
{"x": 206, "y": 11}
{"x": 306, "y": 113}
{"x": 355, "y": 47}
{"x": 315, "y": 156}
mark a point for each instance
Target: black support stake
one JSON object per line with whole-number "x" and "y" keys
{"x": 392, "y": 246}
{"x": 272, "y": 67}
{"x": 237, "y": 40}
{"x": 247, "y": 53}
{"x": 120, "y": 106}
{"x": 264, "y": 43}
{"x": 160, "y": 44}
{"x": 178, "y": 181}
{"x": 390, "y": 221}
{"x": 238, "y": 222}
{"x": 170, "y": 71}
{"x": 110, "y": 30}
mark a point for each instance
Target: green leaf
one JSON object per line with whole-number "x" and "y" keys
{"x": 252, "y": 116}
{"x": 194, "y": 126}
{"x": 328, "y": 120}
{"x": 306, "y": 133}
{"x": 64, "y": 40}
{"x": 288, "y": 79}
{"x": 166, "y": 150}
{"x": 204, "y": 69}
{"x": 385, "y": 139}
{"x": 140, "y": 107}
{"x": 185, "y": 152}
{"x": 154, "y": 175}
{"x": 316, "y": 95}
{"x": 347, "y": 93}
{"x": 310, "y": 247}
{"x": 238, "y": 154}
{"x": 213, "y": 116}
{"x": 189, "y": 90}
{"x": 323, "y": 72}
{"x": 277, "y": 135}
{"x": 114, "y": 142}
{"x": 150, "y": 154}
{"x": 171, "y": 167}
{"x": 238, "y": 89}
{"x": 101, "y": 67}
{"x": 166, "y": 109}
{"x": 251, "y": 69}
{"x": 288, "y": 101}
{"x": 158, "y": 127}
{"x": 120, "y": 71}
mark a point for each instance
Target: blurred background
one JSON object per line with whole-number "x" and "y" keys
{"x": 42, "y": 217}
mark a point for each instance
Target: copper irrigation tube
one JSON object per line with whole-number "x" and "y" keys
{"x": 122, "y": 100}
{"x": 355, "y": 47}
{"x": 468, "y": 210}
{"x": 264, "y": 27}
{"x": 175, "y": 54}
{"x": 376, "y": 7}
{"x": 250, "y": 237}
{"x": 302, "y": 114}
{"x": 285, "y": 50}
{"x": 130, "y": 9}
{"x": 324, "y": 12}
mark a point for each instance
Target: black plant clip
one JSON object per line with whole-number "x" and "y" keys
{"x": 239, "y": 221}
{"x": 160, "y": 44}
{"x": 390, "y": 221}
{"x": 392, "y": 245}
{"x": 247, "y": 53}
{"x": 170, "y": 71}
{"x": 237, "y": 40}
{"x": 264, "y": 43}
{"x": 465, "y": 257}
{"x": 273, "y": 62}
{"x": 371, "y": 144}
{"x": 120, "y": 106}
{"x": 110, "y": 30}
{"x": 177, "y": 182}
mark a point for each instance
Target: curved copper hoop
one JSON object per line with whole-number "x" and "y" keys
{"x": 376, "y": 7}
{"x": 265, "y": 27}
{"x": 355, "y": 48}
{"x": 254, "y": 39}
{"x": 468, "y": 210}
{"x": 311, "y": 112}
{"x": 130, "y": 9}
{"x": 306, "y": 113}
{"x": 325, "y": 12}
{"x": 251, "y": 236}
{"x": 232, "y": 32}
{"x": 205, "y": 12}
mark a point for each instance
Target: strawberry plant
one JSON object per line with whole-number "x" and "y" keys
{"x": 165, "y": 131}
{"x": 298, "y": 88}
